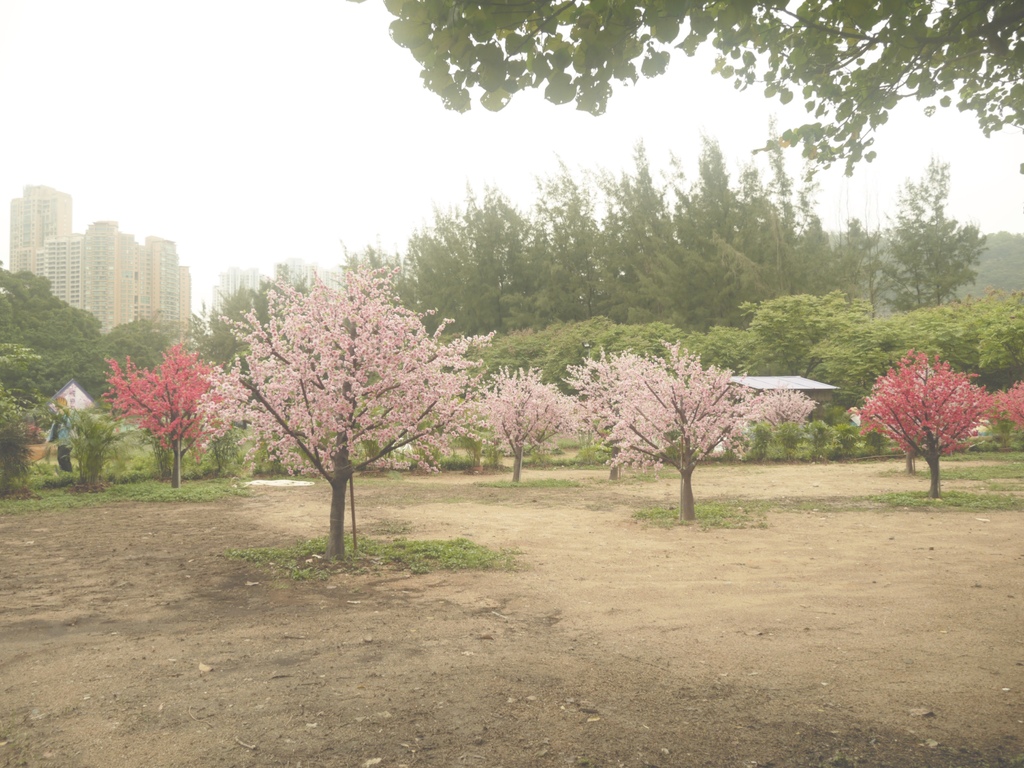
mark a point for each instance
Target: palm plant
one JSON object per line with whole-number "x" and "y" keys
{"x": 94, "y": 440}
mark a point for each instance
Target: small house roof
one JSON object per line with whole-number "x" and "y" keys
{"x": 781, "y": 382}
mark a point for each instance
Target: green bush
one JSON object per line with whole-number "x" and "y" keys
{"x": 788, "y": 438}
{"x": 15, "y": 458}
{"x": 760, "y": 441}
{"x": 821, "y": 439}
{"x": 847, "y": 441}
{"x": 457, "y": 463}
{"x": 94, "y": 440}
{"x": 877, "y": 444}
{"x": 592, "y": 455}
{"x": 225, "y": 452}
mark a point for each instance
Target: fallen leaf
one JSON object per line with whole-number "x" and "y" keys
{"x": 204, "y": 668}
{"x": 251, "y": 583}
{"x": 593, "y": 719}
{"x": 372, "y": 762}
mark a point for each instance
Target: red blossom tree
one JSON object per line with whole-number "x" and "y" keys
{"x": 671, "y": 411}
{"x": 1011, "y": 403}
{"x": 523, "y": 411}
{"x": 929, "y": 409}
{"x": 164, "y": 401}
{"x": 338, "y": 381}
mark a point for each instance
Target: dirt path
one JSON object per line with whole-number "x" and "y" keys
{"x": 827, "y": 638}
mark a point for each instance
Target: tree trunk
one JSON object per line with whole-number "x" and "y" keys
{"x": 336, "y": 537}
{"x": 911, "y": 467}
{"x": 934, "y": 488}
{"x": 687, "y": 509}
{"x": 176, "y": 469}
{"x": 517, "y": 463}
{"x": 614, "y": 473}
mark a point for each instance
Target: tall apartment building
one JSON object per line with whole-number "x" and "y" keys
{"x": 105, "y": 271}
{"x": 61, "y": 261}
{"x": 184, "y": 300}
{"x": 297, "y": 271}
{"x": 231, "y": 282}
{"x": 40, "y": 213}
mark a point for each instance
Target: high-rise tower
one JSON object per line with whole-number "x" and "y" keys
{"x": 40, "y": 213}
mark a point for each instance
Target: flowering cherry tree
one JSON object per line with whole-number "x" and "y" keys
{"x": 778, "y": 406}
{"x": 599, "y": 388}
{"x": 1011, "y": 403}
{"x": 928, "y": 408}
{"x": 523, "y": 411}
{"x": 164, "y": 401}
{"x": 673, "y": 412}
{"x": 338, "y": 381}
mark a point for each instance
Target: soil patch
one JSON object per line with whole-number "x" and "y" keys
{"x": 842, "y": 633}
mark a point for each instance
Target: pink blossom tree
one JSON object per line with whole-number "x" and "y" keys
{"x": 339, "y": 381}
{"x": 929, "y": 409}
{"x": 599, "y": 388}
{"x": 779, "y": 406}
{"x": 672, "y": 411}
{"x": 164, "y": 401}
{"x": 523, "y": 411}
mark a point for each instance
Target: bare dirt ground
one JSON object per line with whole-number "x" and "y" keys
{"x": 840, "y": 634}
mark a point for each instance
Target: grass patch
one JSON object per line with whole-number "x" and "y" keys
{"x": 390, "y": 528}
{"x": 956, "y": 499}
{"x": 710, "y": 514}
{"x": 549, "y": 482}
{"x": 304, "y": 560}
{"x": 984, "y": 472}
{"x": 987, "y": 456}
{"x": 60, "y": 499}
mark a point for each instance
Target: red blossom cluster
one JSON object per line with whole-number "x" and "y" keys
{"x": 164, "y": 401}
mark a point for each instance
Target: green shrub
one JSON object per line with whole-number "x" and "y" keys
{"x": 94, "y": 440}
{"x": 877, "y": 443}
{"x": 835, "y": 415}
{"x": 15, "y": 457}
{"x": 821, "y": 439}
{"x": 492, "y": 456}
{"x": 592, "y": 455}
{"x": 759, "y": 442}
{"x": 225, "y": 452}
{"x": 456, "y": 463}
{"x": 473, "y": 445}
{"x": 847, "y": 441}
{"x": 788, "y": 438}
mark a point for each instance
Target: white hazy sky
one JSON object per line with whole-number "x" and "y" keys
{"x": 253, "y": 132}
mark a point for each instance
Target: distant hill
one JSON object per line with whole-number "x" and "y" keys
{"x": 1001, "y": 266}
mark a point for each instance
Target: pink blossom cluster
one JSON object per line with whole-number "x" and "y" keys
{"x": 523, "y": 411}
{"x": 657, "y": 412}
{"x": 341, "y": 380}
{"x": 778, "y": 406}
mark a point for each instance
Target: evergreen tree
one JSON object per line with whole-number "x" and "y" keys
{"x": 931, "y": 255}
{"x": 567, "y": 250}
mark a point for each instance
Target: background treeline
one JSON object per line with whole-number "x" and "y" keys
{"x": 641, "y": 247}
{"x": 738, "y": 269}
